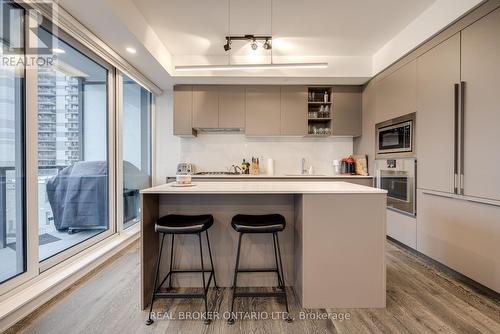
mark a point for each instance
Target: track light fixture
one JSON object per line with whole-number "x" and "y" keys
{"x": 252, "y": 39}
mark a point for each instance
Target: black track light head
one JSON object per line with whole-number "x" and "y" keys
{"x": 254, "y": 45}
{"x": 267, "y": 45}
{"x": 227, "y": 46}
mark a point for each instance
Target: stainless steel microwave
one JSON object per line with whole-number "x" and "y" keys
{"x": 395, "y": 137}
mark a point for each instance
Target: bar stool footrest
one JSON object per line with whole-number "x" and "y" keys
{"x": 261, "y": 270}
{"x": 260, "y": 294}
{"x": 159, "y": 294}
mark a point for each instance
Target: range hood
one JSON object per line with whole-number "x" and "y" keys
{"x": 219, "y": 130}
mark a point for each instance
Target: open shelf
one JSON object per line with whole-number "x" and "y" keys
{"x": 316, "y": 106}
{"x": 319, "y": 119}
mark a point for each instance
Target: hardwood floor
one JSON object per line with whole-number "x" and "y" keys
{"x": 420, "y": 299}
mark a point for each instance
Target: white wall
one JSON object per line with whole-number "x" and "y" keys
{"x": 439, "y": 15}
{"x": 166, "y": 145}
{"x": 219, "y": 151}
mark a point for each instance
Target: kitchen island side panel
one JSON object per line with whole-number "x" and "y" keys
{"x": 149, "y": 245}
{"x": 343, "y": 255}
{"x": 256, "y": 249}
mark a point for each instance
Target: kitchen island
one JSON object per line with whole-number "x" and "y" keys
{"x": 333, "y": 246}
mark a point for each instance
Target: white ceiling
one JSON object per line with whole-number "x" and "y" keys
{"x": 357, "y": 38}
{"x": 299, "y": 27}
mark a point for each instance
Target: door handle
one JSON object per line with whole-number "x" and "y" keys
{"x": 462, "y": 135}
{"x": 455, "y": 140}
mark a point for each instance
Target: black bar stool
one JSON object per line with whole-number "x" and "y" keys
{"x": 272, "y": 223}
{"x": 181, "y": 224}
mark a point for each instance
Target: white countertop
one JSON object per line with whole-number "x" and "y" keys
{"x": 266, "y": 187}
{"x": 265, "y": 176}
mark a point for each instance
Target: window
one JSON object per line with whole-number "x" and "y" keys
{"x": 136, "y": 147}
{"x": 73, "y": 191}
{"x": 58, "y": 124}
{"x": 12, "y": 222}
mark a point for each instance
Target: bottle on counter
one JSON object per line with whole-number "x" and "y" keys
{"x": 244, "y": 167}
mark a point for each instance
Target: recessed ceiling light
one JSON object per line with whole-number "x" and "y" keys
{"x": 58, "y": 51}
{"x": 131, "y": 50}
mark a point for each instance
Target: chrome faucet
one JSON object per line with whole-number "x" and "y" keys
{"x": 304, "y": 170}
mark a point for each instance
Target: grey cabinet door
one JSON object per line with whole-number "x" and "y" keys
{"x": 481, "y": 74}
{"x": 263, "y": 111}
{"x": 397, "y": 93}
{"x": 346, "y": 111}
{"x": 232, "y": 107}
{"x": 438, "y": 71}
{"x": 462, "y": 235}
{"x": 183, "y": 110}
{"x": 293, "y": 110}
{"x": 205, "y": 106}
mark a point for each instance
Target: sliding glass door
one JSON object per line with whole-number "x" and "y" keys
{"x": 136, "y": 147}
{"x": 73, "y": 164}
{"x": 12, "y": 167}
{"x": 75, "y": 136}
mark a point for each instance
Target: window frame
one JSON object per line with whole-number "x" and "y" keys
{"x": 119, "y": 146}
{"x": 20, "y": 131}
{"x": 111, "y": 125}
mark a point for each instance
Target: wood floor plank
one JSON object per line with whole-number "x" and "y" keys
{"x": 420, "y": 299}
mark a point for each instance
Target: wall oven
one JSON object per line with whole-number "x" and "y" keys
{"x": 396, "y": 137}
{"x": 398, "y": 177}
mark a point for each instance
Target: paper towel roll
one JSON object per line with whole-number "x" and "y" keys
{"x": 270, "y": 167}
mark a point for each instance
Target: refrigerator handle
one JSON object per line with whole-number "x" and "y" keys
{"x": 462, "y": 134}
{"x": 455, "y": 140}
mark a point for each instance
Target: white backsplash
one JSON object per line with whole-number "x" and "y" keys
{"x": 217, "y": 152}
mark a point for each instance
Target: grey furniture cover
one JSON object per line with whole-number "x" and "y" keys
{"x": 78, "y": 196}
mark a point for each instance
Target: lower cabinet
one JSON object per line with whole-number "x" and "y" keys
{"x": 462, "y": 235}
{"x": 402, "y": 228}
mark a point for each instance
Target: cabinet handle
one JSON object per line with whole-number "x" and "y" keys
{"x": 462, "y": 134}
{"x": 455, "y": 142}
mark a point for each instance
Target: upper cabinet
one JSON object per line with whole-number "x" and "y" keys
{"x": 232, "y": 107}
{"x": 396, "y": 94}
{"x": 346, "y": 111}
{"x": 205, "y": 106}
{"x": 293, "y": 110}
{"x": 268, "y": 110}
{"x": 183, "y": 111}
{"x": 263, "y": 111}
{"x": 480, "y": 71}
{"x": 438, "y": 76}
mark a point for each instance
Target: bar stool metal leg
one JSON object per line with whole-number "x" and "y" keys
{"x": 171, "y": 262}
{"x": 211, "y": 261}
{"x": 288, "y": 317}
{"x": 149, "y": 321}
{"x": 236, "y": 267}
{"x": 280, "y": 282}
{"x": 205, "y": 287}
